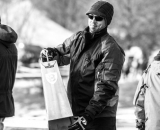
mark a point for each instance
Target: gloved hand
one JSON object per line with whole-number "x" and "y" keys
{"x": 140, "y": 125}
{"x": 79, "y": 124}
{"x": 44, "y": 58}
{"x": 52, "y": 51}
{"x": 44, "y": 55}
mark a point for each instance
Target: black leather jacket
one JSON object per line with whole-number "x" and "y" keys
{"x": 8, "y": 67}
{"x": 96, "y": 62}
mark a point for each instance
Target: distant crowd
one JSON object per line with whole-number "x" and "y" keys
{"x": 135, "y": 63}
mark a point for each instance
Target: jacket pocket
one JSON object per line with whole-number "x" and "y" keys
{"x": 98, "y": 73}
{"x": 85, "y": 65}
{"x": 111, "y": 72}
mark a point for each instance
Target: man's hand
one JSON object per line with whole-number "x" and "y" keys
{"x": 45, "y": 55}
{"x": 52, "y": 51}
{"x": 140, "y": 125}
{"x": 79, "y": 124}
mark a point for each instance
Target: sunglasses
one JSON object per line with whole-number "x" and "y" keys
{"x": 97, "y": 18}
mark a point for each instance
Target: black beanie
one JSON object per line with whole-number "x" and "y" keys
{"x": 157, "y": 57}
{"x": 103, "y": 9}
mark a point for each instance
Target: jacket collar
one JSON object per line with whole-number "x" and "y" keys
{"x": 92, "y": 36}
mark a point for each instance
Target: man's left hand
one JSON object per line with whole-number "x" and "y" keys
{"x": 79, "y": 124}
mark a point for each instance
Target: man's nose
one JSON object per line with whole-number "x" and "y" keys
{"x": 93, "y": 20}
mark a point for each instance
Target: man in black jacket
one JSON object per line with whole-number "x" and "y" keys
{"x": 8, "y": 67}
{"x": 96, "y": 62}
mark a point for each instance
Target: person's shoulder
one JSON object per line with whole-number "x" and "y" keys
{"x": 108, "y": 39}
{"x": 8, "y": 34}
{"x": 75, "y": 35}
{"x": 109, "y": 43}
{"x": 155, "y": 67}
{"x": 10, "y": 50}
{"x": 72, "y": 38}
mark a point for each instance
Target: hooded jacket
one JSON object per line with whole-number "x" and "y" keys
{"x": 146, "y": 99}
{"x": 96, "y": 62}
{"x": 8, "y": 67}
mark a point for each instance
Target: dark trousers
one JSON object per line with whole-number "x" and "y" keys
{"x": 103, "y": 123}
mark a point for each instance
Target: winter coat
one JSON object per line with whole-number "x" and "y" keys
{"x": 146, "y": 99}
{"x": 96, "y": 62}
{"x": 8, "y": 66}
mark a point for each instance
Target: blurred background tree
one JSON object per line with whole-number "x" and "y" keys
{"x": 68, "y": 13}
{"x": 135, "y": 22}
{"x": 31, "y": 55}
{"x": 140, "y": 20}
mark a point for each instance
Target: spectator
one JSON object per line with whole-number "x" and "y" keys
{"x": 8, "y": 66}
{"x": 146, "y": 99}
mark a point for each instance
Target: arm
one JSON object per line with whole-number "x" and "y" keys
{"x": 106, "y": 81}
{"x": 62, "y": 52}
{"x": 139, "y": 98}
{"x": 139, "y": 103}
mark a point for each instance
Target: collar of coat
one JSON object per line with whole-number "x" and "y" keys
{"x": 92, "y": 36}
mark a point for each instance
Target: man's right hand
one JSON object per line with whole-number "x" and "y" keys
{"x": 140, "y": 125}
{"x": 52, "y": 51}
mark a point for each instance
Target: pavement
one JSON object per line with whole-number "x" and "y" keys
{"x": 125, "y": 115}
{"x": 126, "y": 119}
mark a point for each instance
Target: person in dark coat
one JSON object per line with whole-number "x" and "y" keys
{"x": 8, "y": 67}
{"x": 96, "y": 62}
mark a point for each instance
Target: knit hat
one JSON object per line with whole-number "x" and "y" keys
{"x": 103, "y": 9}
{"x": 157, "y": 57}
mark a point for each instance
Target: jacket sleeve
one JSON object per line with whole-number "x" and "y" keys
{"x": 107, "y": 76}
{"x": 139, "y": 98}
{"x": 64, "y": 50}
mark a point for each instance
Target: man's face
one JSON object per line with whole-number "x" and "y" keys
{"x": 95, "y": 23}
